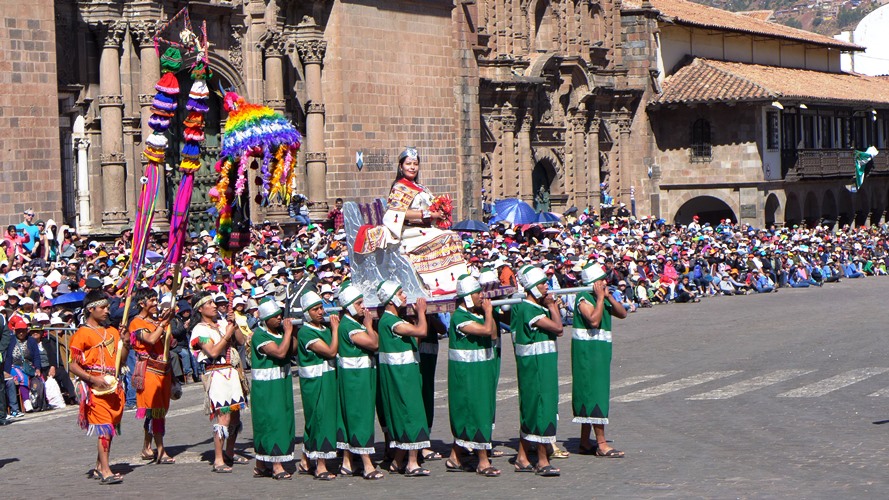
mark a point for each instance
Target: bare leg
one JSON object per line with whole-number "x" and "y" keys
{"x": 521, "y": 459}
{"x": 368, "y": 463}
{"x": 455, "y": 455}
{"x": 585, "y": 443}
{"x": 604, "y": 447}
{"x": 146, "y": 445}
{"x": 320, "y": 466}
{"x": 347, "y": 460}
{"x": 412, "y": 460}
{"x": 104, "y": 450}
{"x": 235, "y": 421}
{"x": 219, "y": 441}
{"x": 542, "y": 457}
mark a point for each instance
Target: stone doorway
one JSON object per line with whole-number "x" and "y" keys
{"x": 542, "y": 178}
{"x": 707, "y": 208}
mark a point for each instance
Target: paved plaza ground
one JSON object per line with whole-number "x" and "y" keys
{"x": 778, "y": 395}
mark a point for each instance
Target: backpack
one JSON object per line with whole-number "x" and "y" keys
{"x": 37, "y": 394}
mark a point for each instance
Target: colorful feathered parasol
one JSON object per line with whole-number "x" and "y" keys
{"x": 253, "y": 133}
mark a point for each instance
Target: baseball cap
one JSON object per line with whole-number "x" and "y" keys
{"x": 29, "y": 211}
{"x": 17, "y": 323}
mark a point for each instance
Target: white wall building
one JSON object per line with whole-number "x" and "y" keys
{"x": 872, "y": 33}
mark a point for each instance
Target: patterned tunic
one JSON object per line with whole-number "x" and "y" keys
{"x": 591, "y": 365}
{"x": 401, "y": 387}
{"x": 95, "y": 350}
{"x": 537, "y": 370}
{"x": 274, "y": 424}
{"x": 472, "y": 373}
{"x": 317, "y": 386}
{"x": 153, "y": 401}
{"x": 357, "y": 385}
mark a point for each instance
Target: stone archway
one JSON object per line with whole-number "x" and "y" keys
{"x": 829, "y": 212}
{"x": 811, "y": 211}
{"x": 792, "y": 213}
{"x": 845, "y": 208}
{"x": 772, "y": 206}
{"x": 707, "y": 208}
{"x": 862, "y": 208}
{"x": 542, "y": 179}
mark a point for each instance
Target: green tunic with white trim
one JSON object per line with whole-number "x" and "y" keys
{"x": 401, "y": 387}
{"x": 471, "y": 385}
{"x": 537, "y": 370}
{"x": 317, "y": 386}
{"x": 591, "y": 365}
{"x": 357, "y": 386}
{"x": 274, "y": 425}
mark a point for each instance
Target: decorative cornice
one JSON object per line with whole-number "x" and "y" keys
{"x": 311, "y": 51}
{"x": 314, "y": 108}
{"x": 143, "y": 33}
{"x": 110, "y": 100}
{"x": 276, "y": 103}
{"x": 273, "y": 43}
{"x": 316, "y": 157}
{"x": 82, "y": 144}
{"x": 578, "y": 121}
{"x": 109, "y": 159}
{"x": 111, "y": 33}
{"x": 508, "y": 122}
{"x": 145, "y": 99}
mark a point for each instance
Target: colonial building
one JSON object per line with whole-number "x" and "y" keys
{"x": 756, "y": 121}
{"x": 531, "y": 99}
{"x": 660, "y": 104}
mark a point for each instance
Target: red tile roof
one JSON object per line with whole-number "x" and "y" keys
{"x": 709, "y": 81}
{"x": 762, "y": 15}
{"x": 697, "y": 15}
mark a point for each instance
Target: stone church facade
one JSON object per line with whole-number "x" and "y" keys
{"x": 504, "y": 98}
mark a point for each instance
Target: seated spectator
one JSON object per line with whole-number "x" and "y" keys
{"x": 642, "y": 293}
{"x": 761, "y": 283}
{"x": 829, "y": 272}
{"x": 686, "y": 291}
{"x": 620, "y": 295}
{"x": 850, "y": 270}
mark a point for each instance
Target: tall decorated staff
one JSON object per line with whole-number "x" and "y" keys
{"x": 163, "y": 108}
{"x": 255, "y": 137}
{"x": 193, "y": 138}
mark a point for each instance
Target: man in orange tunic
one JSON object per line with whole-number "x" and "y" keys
{"x": 94, "y": 361}
{"x": 152, "y": 379}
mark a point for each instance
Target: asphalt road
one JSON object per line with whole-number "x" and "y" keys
{"x": 779, "y": 395}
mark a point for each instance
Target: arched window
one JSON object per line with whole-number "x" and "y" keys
{"x": 701, "y": 148}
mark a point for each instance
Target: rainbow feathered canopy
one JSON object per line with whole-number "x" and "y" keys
{"x": 254, "y": 133}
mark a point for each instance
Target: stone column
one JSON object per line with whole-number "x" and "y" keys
{"x": 311, "y": 53}
{"x": 592, "y": 162}
{"x": 578, "y": 187}
{"x": 143, "y": 34}
{"x": 623, "y": 170}
{"x": 273, "y": 45}
{"x": 114, "y": 213}
{"x": 526, "y": 161}
{"x": 508, "y": 121}
{"x": 85, "y": 220}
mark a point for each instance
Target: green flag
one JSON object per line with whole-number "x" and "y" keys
{"x": 862, "y": 158}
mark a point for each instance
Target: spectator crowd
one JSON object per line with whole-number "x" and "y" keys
{"x": 647, "y": 261}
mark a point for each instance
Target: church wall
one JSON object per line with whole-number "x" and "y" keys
{"x": 30, "y": 172}
{"x": 389, "y": 78}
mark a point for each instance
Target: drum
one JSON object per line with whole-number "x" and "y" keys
{"x": 112, "y": 386}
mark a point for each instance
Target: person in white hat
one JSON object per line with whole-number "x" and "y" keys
{"x": 213, "y": 346}
{"x": 317, "y": 386}
{"x": 357, "y": 382}
{"x": 472, "y": 376}
{"x": 271, "y": 404}
{"x": 591, "y": 361}
{"x": 400, "y": 379}
{"x": 536, "y": 323}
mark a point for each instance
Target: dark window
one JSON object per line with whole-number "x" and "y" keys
{"x": 773, "y": 131}
{"x": 789, "y": 137}
{"x": 826, "y": 133}
{"x": 701, "y": 147}
{"x": 808, "y": 131}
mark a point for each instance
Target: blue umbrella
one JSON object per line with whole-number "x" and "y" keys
{"x": 548, "y": 218}
{"x": 152, "y": 256}
{"x": 69, "y": 298}
{"x": 514, "y": 211}
{"x": 470, "y": 226}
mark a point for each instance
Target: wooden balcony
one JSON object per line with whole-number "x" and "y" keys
{"x": 813, "y": 164}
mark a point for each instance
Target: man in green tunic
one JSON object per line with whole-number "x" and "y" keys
{"x": 317, "y": 385}
{"x": 357, "y": 383}
{"x": 274, "y": 426}
{"x": 591, "y": 361}
{"x": 536, "y": 323}
{"x": 471, "y": 372}
{"x": 400, "y": 379}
